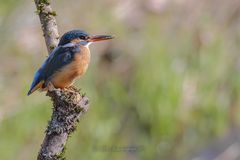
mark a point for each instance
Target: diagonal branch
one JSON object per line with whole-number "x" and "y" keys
{"x": 68, "y": 104}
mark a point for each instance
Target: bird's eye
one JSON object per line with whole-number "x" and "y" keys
{"x": 82, "y": 37}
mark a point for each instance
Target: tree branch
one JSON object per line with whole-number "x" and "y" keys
{"x": 48, "y": 22}
{"x": 68, "y": 104}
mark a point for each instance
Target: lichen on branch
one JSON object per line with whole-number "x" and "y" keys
{"x": 68, "y": 104}
{"x": 48, "y": 23}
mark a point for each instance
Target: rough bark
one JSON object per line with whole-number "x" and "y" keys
{"x": 68, "y": 104}
{"x": 48, "y": 22}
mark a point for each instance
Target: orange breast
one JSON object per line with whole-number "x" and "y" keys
{"x": 66, "y": 76}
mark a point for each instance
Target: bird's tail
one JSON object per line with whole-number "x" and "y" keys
{"x": 35, "y": 87}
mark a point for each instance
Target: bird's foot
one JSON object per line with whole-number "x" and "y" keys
{"x": 51, "y": 87}
{"x": 71, "y": 87}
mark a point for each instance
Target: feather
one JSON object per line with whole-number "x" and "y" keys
{"x": 60, "y": 56}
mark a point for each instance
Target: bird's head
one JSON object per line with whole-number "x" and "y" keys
{"x": 79, "y": 36}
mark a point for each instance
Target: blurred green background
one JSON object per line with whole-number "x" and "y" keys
{"x": 167, "y": 87}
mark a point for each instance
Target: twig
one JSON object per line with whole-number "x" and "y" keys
{"x": 68, "y": 104}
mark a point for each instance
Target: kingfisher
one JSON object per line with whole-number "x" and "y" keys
{"x": 68, "y": 61}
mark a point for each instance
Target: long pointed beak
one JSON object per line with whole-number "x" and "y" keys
{"x": 96, "y": 38}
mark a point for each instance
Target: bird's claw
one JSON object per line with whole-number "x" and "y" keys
{"x": 51, "y": 87}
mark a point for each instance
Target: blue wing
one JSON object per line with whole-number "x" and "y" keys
{"x": 60, "y": 56}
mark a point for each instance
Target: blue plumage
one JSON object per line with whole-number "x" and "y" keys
{"x": 60, "y": 57}
{"x": 61, "y": 62}
{"x": 37, "y": 78}
{"x": 68, "y": 36}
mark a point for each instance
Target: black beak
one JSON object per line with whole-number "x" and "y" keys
{"x": 96, "y": 38}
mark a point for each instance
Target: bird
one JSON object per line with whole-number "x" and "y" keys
{"x": 67, "y": 62}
